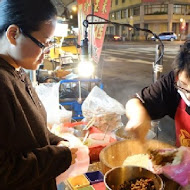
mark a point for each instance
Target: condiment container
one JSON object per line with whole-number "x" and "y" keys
{"x": 94, "y": 177}
{"x": 99, "y": 186}
{"x": 87, "y": 188}
{"x": 78, "y": 182}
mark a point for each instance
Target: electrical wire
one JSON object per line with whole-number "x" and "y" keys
{"x": 86, "y": 23}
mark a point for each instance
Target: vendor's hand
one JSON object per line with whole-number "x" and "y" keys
{"x": 138, "y": 128}
{"x": 64, "y": 143}
{"x": 73, "y": 154}
{"x": 139, "y": 121}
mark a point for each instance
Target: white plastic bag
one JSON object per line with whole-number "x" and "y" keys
{"x": 104, "y": 110}
{"x": 82, "y": 161}
{"x": 49, "y": 95}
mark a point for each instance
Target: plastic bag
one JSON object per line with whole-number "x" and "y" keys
{"x": 59, "y": 129}
{"x": 103, "y": 110}
{"x": 49, "y": 95}
{"x": 179, "y": 170}
{"x": 82, "y": 161}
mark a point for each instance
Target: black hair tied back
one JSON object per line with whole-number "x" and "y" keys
{"x": 27, "y": 14}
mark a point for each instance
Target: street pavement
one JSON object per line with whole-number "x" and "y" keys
{"x": 127, "y": 67}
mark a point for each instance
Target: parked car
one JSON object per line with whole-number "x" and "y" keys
{"x": 171, "y": 36}
{"x": 117, "y": 38}
{"x": 112, "y": 37}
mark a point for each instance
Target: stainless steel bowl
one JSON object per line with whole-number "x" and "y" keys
{"x": 118, "y": 175}
{"x": 122, "y": 134}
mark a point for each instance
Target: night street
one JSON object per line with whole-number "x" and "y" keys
{"x": 127, "y": 67}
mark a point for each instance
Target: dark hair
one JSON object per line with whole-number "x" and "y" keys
{"x": 26, "y": 14}
{"x": 182, "y": 61}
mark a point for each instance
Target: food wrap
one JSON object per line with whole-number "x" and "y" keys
{"x": 179, "y": 169}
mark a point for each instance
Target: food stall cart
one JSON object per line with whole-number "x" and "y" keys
{"x": 109, "y": 170}
{"x": 78, "y": 91}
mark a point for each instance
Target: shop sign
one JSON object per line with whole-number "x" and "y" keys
{"x": 148, "y": 1}
{"x": 183, "y": 25}
{"x": 96, "y": 32}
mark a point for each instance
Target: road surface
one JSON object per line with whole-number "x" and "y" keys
{"x": 127, "y": 68}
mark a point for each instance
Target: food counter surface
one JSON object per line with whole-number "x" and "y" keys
{"x": 169, "y": 184}
{"x": 96, "y": 166}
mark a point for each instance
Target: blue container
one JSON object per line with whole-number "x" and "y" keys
{"x": 94, "y": 177}
{"x": 61, "y": 186}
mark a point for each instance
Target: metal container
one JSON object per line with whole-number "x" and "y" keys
{"x": 122, "y": 134}
{"x": 118, "y": 175}
{"x": 114, "y": 155}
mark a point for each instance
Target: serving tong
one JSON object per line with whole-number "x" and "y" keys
{"x": 88, "y": 126}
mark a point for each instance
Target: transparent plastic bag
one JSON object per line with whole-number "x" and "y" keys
{"x": 103, "y": 110}
{"x": 82, "y": 161}
{"x": 49, "y": 96}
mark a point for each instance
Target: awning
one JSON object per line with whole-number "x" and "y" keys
{"x": 63, "y": 6}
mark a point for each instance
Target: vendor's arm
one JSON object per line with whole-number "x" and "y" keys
{"x": 153, "y": 102}
{"x": 139, "y": 119}
{"x": 160, "y": 98}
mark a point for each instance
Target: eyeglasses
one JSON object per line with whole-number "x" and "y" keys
{"x": 39, "y": 44}
{"x": 181, "y": 88}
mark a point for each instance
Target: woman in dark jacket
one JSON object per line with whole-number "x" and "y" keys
{"x": 30, "y": 156}
{"x": 170, "y": 95}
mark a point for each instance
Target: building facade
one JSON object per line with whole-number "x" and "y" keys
{"x": 155, "y": 15}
